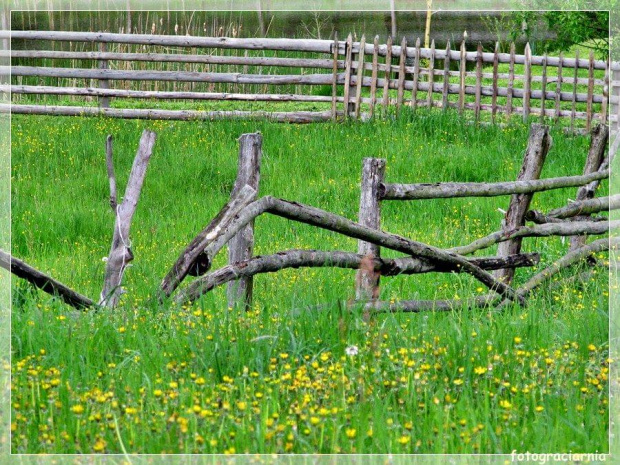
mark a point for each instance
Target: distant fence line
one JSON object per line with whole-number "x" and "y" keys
{"x": 364, "y": 77}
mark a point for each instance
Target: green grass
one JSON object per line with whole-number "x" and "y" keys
{"x": 151, "y": 378}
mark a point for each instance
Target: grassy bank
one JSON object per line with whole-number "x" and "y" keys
{"x": 287, "y": 377}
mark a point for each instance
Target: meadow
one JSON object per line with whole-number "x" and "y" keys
{"x": 300, "y": 372}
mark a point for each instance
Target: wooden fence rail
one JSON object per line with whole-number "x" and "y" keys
{"x": 365, "y": 77}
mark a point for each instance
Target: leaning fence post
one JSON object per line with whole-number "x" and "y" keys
{"x": 104, "y": 83}
{"x": 596, "y": 154}
{"x": 367, "y": 281}
{"x": 241, "y": 246}
{"x": 538, "y": 145}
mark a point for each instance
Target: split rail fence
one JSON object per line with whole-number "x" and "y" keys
{"x": 335, "y": 78}
{"x": 233, "y": 226}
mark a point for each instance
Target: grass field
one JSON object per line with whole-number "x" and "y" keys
{"x": 286, "y": 376}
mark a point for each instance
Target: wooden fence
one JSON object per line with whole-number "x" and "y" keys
{"x": 234, "y": 226}
{"x": 328, "y": 79}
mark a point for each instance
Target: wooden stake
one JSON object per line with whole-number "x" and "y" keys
{"x": 494, "y": 96}
{"x": 527, "y": 82}
{"x": 373, "y": 79}
{"x": 334, "y": 76}
{"x": 478, "y": 81}
{"x": 558, "y": 88}
{"x": 462, "y": 71}
{"x": 574, "y": 102}
{"x": 511, "y": 80}
{"x": 590, "y": 91}
{"x": 416, "y": 75}
{"x": 388, "y": 73}
{"x": 367, "y": 281}
{"x": 446, "y": 78}
{"x": 347, "y": 76}
{"x": 401, "y": 73}
{"x": 431, "y": 75}
{"x": 538, "y": 146}
{"x": 360, "y": 78}
{"x": 241, "y": 246}
{"x": 104, "y": 102}
{"x": 543, "y": 94}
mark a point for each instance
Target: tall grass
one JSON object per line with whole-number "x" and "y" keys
{"x": 299, "y": 372}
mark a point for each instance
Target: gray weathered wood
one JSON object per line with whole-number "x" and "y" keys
{"x": 332, "y": 222}
{"x": 511, "y": 78}
{"x": 495, "y": 78}
{"x": 120, "y": 252}
{"x": 373, "y": 169}
{"x": 104, "y": 83}
{"x": 478, "y": 82}
{"x": 193, "y": 259}
{"x": 558, "y": 87}
{"x": 587, "y": 207}
{"x": 596, "y": 154}
{"x": 176, "y": 95}
{"x": 206, "y": 58}
{"x": 181, "y": 76}
{"x": 543, "y": 90}
{"x": 44, "y": 282}
{"x": 431, "y": 76}
{"x": 590, "y": 91}
{"x": 374, "y": 75}
{"x": 335, "y": 79}
{"x": 605, "y": 102}
{"x": 347, "y": 77}
{"x": 241, "y": 246}
{"x": 538, "y": 146}
{"x": 446, "y": 78}
{"x": 462, "y": 72}
{"x": 574, "y": 100}
{"x": 292, "y": 117}
{"x": 359, "y": 82}
{"x": 416, "y": 76}
{"x": 527, "y": 82}
{"x": 386, "y": 80}
{"x": 315, "y": 258}
{"x": 401, "y": 76}
{"x": 445, "y": 190}
{"x": 573, "y": 228}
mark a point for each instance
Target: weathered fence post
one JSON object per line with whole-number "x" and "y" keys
{"x": 373, "y": 79}
{"x": 478, "y": 81}
{"x": 574, "y": 101}
{"x": 462, "y": 71}
{"x": 596, "y": 154}
{"x": 416, "y": 75}
{"x": 359, "y": 80}
{"x": 494, "y": 97}
{"x": 347, "y": 76}
{"x": 401, "y": 74}
{"x": 388, "y": 74}
{"x": 511, "y": 80}
{"x": 558, "y": 88}
{"x": 367, "y": 281}
{"x": 527, "y": 82}
{"x": 538, "y": 145}
{"x": 241, "y": 246}
{"x": 104, "y": 102}
{"x": 590, "y": 91}
{"x": 335, "y": 79}
{"x": 543, "y": 94}
{"x": 431, "y": 75}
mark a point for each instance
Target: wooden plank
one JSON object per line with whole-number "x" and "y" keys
{"x": 401, "y": 75}
{"x": 574, "y": 104}
{"x": 527, "y": 82}
{"x": 558, "y": 88}
{"x": 416, "y": 75}
{"x": 241, "y": 245}
{"x": 360, "y": 78}
{"x": 367, "y": 281}
{"x": 347, "y": 76}
{"x": 478, "y": 81}
{"x": 494, "y": 96}
{"x": 373, "y": 79}
{"x": 431, "y": 75}
{"x": 335, "y": 79}
{"x": 590, "y": 91}
{"x": 543, "y": 91}
{"x": 388, "y": 68}
{"x": 511, "y": 80}
{"x": 446, "y": 78}
{"x": 462, "y": 71}
{"x": 533, "y": 160}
